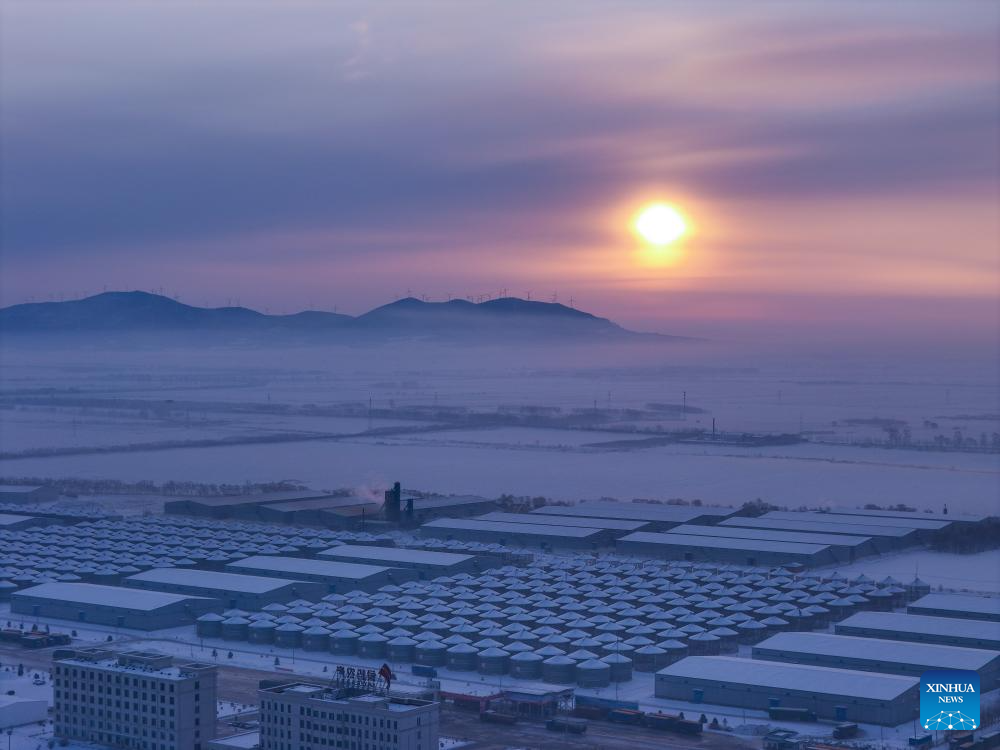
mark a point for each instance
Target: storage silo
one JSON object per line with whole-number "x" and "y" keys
{"x": 621, "y": 667}
{"x": 316, "y": 638}
{"x": 209, "y": 625}
{"x": 494, "y": 661}
{"x": 526, "y": 665}
{"x": 593, "y": 674}
{"x": 704, "y": 644}
{"x": 288, "y": 635}
{"x": 261, "y": 631}
{"x": 235, "y": 628}
{"x": 401, "y": 649}
{"x": 344, "y": 642}
{"x": 372, "y": 646}
{"x": 648, "y": 658}
{"x": 674, "y": 650}
{"x": 559, "y": 670}
{"x": 462, "y": 658}
{"x": 430, "y": 653}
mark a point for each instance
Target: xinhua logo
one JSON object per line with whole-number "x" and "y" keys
{"x": 949, "y": 700}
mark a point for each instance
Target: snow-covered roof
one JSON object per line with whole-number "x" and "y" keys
{"x": 106, "y": 596}
{"x": 389, "y": 555}
{"x": 901, "y": 523}
{"x": 923, "y": 624}
{"x": 818, "y": 526}
{"x": 958, "y": 603}
{"x": 777, "y": 535}
{"x": 752, "y": 545}
{"x": 929, "y": 655}
{"x": 9, "y": 519}
{"x": 634, "y": 511}
{"x": 534, "y": 529}
{"x": 614, "y": 524}
{"x": 293, "y": 565}
{"x": 922, "y": 515}
{"x": 850, "y": 683}
{"x": 211, "y": 579}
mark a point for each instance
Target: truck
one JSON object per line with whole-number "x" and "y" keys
{"x": 420, "y": 670}
{"x": 686, "y": 726}
{"x": 845, "y": 730}
{"x": 625, "y": 716}
{"x": 787, "y": 713}
{"x": 565, "y": 724}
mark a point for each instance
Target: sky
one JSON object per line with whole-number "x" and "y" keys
{"x": 836, "y": 162}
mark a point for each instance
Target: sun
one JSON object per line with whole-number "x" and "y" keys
{"x": 660, "y": 224}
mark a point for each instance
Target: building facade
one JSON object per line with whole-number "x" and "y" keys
{"x": 135, "y": 700}
{"x": 300, "y": 716}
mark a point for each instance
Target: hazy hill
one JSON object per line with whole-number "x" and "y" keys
{"x": 127, "y": 314}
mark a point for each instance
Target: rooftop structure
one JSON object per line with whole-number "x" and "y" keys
{"x": 842, "y": 694}
{"x": 111, "y": 605}
{"x": 743, "y": 551}
{"x": 965, "y": 606}
{"x": 845, "y": 548}
{"x": 338, "y": 576}
{"x": 878, "y": 655}
{"x": 924, "y": 629}
{"x": 234, "y": 590}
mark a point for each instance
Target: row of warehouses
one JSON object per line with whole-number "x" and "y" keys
{"x": 700, "y": 534}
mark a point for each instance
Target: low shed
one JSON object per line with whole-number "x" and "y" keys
{"x": 116, "y": 606}
{"x": 949, "y": 631}
{"x": 518, "y": 534}
{"x": 336, "y": 576}
{"x": 427, "y": 564}
{"x": 673, "y": 546}
{"x": 964, "y": 606}
{"x": 845, "y": 548}
{"x": 234, "y": 590}
{"x": 839, "y": 694}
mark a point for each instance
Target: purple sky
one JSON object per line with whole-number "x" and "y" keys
{"x": 837, "y": 161}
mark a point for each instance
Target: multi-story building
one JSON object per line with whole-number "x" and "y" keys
{"x": 300, "y": 716}
{"x": 134, "y": 699}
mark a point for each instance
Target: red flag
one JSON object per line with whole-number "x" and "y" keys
{"x": 386, "y": 674}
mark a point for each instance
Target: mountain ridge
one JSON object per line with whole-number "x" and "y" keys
{"x": 122, "y": 313}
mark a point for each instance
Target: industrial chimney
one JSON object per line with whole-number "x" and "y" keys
{"x": 393, "y": 498}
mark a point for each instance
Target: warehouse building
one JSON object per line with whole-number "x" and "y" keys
{"x": 660, "y": 516}
{"x": 300, "y": 715}
{"x": 420, "y": 510}
{"x": 235, "y": 591}
{"x": 845, "y": 548}
{"x": 116, "y": 606}
{"x": 923, "y": 527}
{"x": 542, "y": 536}
{"x": 87, "y": 690}
{"x": 959, "y": 518}
{"x": 878, "y": 655}
{"x": 427, "y": 564}
{"x": 24, "y": 494}
{"x": 620, "y": 527}
{"x": 839, "y": 694}
{"x": 949, "y": 631}
{"x": 671, "y": 546}
{"x": 338, "y": 577}
{"x": 965, "y": 606}
{"x": 885, "y": 538}
{"x": 14, "y": 522}
{"x": 328, "y": 512}
{"x": 236, "y": 506}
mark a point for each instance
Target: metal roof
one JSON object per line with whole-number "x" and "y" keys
{"x": 293, "y": 565}
{"x": 318, "y": 503}
{"x": 929, "y": 655}
{"x": 899, "y": 523}
{"x": 106, "y": 596}
{"x": 429, "y": 503}
{"x": 807, "y": 524}
{"x": 210, "y": 579}
{"x": 764, "y": 545}
{"x": 634, "y": 511}
{"x": 9, "y": 519}
{"x": 613, "y": 524}
{"x": 924, "y": 624}
{"x": 264, "y": 497}
{"x": 963, "y": 517}
{"x": 781, "y": 676}
{"x": 390, "y": 555}
{"x": 512, "y": 528}
{"x": 958, "y": 603}
{"x": 773, "y": 534}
